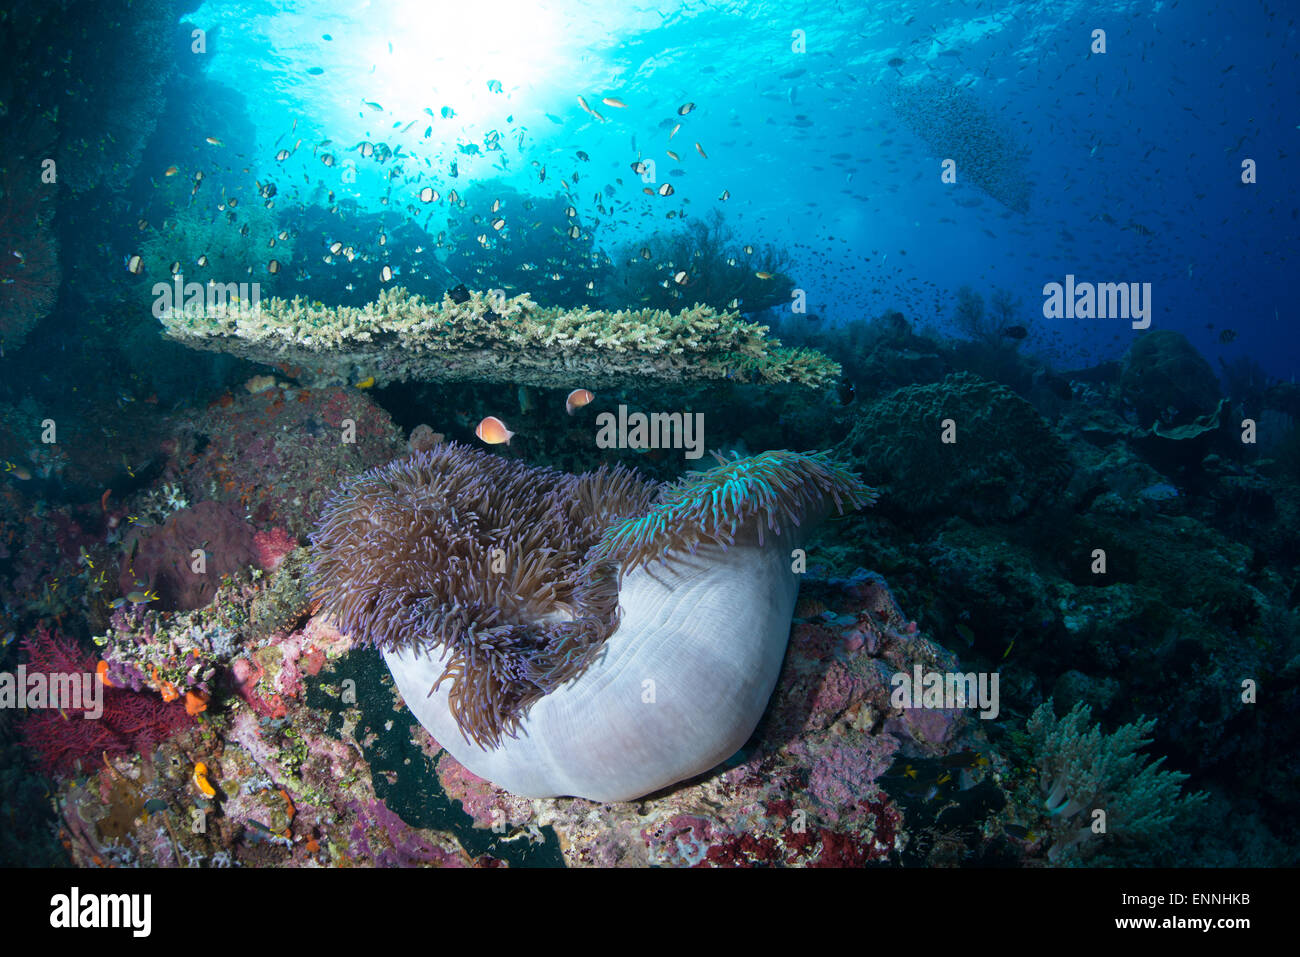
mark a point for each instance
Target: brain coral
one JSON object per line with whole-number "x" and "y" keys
{"x": 1005, "y": 457}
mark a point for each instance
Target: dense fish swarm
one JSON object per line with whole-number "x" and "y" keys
{"x": 952, "y": 121}
{"x": 402, "y": 336}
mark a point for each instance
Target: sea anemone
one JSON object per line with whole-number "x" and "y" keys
{"x": 477, "y": 556}
{"x": 592, "y": 635}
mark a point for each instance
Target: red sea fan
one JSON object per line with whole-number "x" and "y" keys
{"x": 132, "y": 721}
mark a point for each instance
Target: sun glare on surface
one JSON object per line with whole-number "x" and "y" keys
{"x": 468, "y": 56}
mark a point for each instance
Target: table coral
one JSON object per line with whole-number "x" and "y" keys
{"x": 402, "y": 336}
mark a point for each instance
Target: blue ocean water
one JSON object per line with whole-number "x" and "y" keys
{"x": 1133, "y": 156}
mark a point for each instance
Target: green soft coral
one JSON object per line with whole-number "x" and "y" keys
{"x": 1083, "y": 770}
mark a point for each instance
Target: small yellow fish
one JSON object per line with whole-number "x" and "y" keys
{"x": 763, "y": 275}
{"x": 366, "y": 383}
{"x": 170, "y": 171}
{"x": 201, "y": 780}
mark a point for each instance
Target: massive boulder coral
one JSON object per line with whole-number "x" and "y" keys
{"x": 1167, "y": 381}
{"x": 402, "y": 336}
{"x": 1005, "y": 457}
{"x": 277, "y": 453}
{"x": 184, "y": 559}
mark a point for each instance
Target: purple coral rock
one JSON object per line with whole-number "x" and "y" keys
{"x": 845, "y": 774}
{"x": 482, "y": 801}
{"x": 162, "y": 557}
{"x": 832, "y": 697}
{"x": 929, "y": 727}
